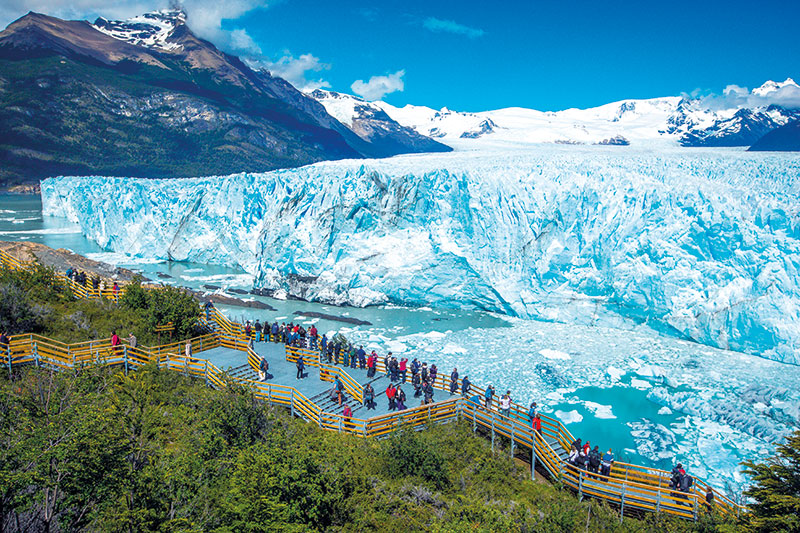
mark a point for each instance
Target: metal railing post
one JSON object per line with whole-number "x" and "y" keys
{"x": 125, "y": 353}
{"x": 36, "y": 354}
{"x": 292, "y": 402}
{"x": 513, "y": 430}
{"x": 205, "y": 372}
{"x": 580, "y": 485}
{"x": 622, "y": 504}
{"x": 492, "y": 432}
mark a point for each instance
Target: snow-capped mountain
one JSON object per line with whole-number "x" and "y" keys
{"x": 152, "y": 30}
{"x": 669, "y": 120}
{"x": 371, "y": 123}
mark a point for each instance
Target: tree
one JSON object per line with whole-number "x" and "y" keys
{"x": 776, "y": 489}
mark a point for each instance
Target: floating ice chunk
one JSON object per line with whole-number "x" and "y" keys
{"x": 600, "y": 410}
{"x": 641, "y": 384}
{"x": 569, "y": 417}
{"x": 665, "y": 411}
{"x": 451, "y": 348}
{"x": 554, "y": 354}
{"x": 396, "y": 346}
{"x": 615, "y": 373}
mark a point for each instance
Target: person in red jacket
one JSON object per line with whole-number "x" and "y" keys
{"x": 390, "y": 394}
{"x": 402, "y": 368}
{"x": 347, "y": 412}
{"x": 537, "y": 424}
{"x": 115, "y": 342}
{"x": 586, "y": 448}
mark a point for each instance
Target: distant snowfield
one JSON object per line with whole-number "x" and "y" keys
{"x": 704, "y": 244}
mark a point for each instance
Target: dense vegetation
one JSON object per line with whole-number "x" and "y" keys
{"x": 776, "y": 489}
{"x": 156, "y": 451}
{"x": 35, "y": 301}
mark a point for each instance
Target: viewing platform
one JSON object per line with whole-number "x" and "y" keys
{"x": 226, "y": 355}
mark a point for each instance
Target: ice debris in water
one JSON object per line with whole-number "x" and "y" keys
{"x": 702, "y": 243}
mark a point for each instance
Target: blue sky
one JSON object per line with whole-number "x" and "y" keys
{"x": 544, "y": 55}
{"x": 478, "y": 55}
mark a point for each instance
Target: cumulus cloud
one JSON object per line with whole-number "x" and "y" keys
{"x": 203, "y": 16}
{"x": 379, "y": 86}
{"x": 295, "y": 69}
{"x": 450, "y": 26}
{"x": 784, "y": 94}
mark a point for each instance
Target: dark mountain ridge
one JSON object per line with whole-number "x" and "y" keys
{"x": 78, "y": 100}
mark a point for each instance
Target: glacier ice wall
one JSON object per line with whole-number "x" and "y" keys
{"x": 705, "y": 244}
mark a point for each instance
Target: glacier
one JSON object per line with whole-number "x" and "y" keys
{"x": 700, "y": 244}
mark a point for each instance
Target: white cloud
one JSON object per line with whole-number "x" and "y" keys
{"x": 295, "y": 69}
{"x": 379, "y": 86}
{"x": 203, "y": 16}
{"x": 785, "y": 94}
{"x": 450, "y": 26}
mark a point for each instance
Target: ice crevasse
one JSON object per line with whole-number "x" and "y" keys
{"x": 703, "y": 244}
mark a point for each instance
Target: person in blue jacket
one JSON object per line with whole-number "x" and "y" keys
{"x": 487, "y": 397}
{"x": 466, "y": 385}
{"x": 301, "y": 365}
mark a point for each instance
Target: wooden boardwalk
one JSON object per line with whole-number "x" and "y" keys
{"x": 630, "y": 487}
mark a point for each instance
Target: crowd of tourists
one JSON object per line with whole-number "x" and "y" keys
{"x": 422, "y": 379}
{"x": 95, "y": 284}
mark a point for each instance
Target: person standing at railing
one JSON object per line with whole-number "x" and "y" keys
{"x": 709, "y": 503}
{"x": 330, "y": 352}
{"x": 257, "y": 327}
{"x": 369, "y": 397}
{"x": 132, "y": 340}
{"x": 323, "y": 345}
{"x": 209, "y": 305}
{"x": 188, "y": 350}
{"x": 505, "y": 403}
{"x": 101, "y": 289}
{"x": 390, "y": 394}
{"x": 414, "y": 367}
{"x": 533, "y": 411}
{"x": 416, "y": 382}
{"x": 115, "y": 288}
{"x": 433, "y": 372}
{"x": 312, "y": 336}
{"x": 248, "y": 329}
{"x": 275, "y": 330}
{"x": 466, "y": 386}
{"x": 608, "y": 461}
{"x": 372, "y": 364}
{"x": 487, "y": 397}
{"x": 300, "y": 367}
{"x": 595, "y": 459}
{"x": 394, "y": 369}
{"x": 453, "y": 381}
{"x": 401, "y": 367}
{"x": 362, "y": 358}
{"x": 115, "y": 343}
{"x": 386, "y": 359}
{"x": 427, "y": 391}
{"x": 400, "y": 397}
{"x": 537, "y": 424}
{"x": 347, "y": 413}
{"x": 423, "y": 371}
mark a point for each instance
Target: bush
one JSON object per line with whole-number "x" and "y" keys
{"x": 158, "y": 307}
{"x": 18, "y": 314}
{"x": 407, "y": 454}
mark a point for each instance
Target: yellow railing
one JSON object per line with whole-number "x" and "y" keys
{"x": 629, "y": 486}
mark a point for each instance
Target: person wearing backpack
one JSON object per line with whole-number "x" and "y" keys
{"x": 301, "y": 365}
{"x": 487, "y": 397}
{"x": 263, "y": 368}
{"x": 595, "y": 460}
{"x": 453, "y": 381}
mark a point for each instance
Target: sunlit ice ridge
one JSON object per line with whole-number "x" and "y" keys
{"x": 702, "y": 244}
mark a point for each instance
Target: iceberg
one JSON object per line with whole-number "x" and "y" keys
{"x": 703, "y": 245}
